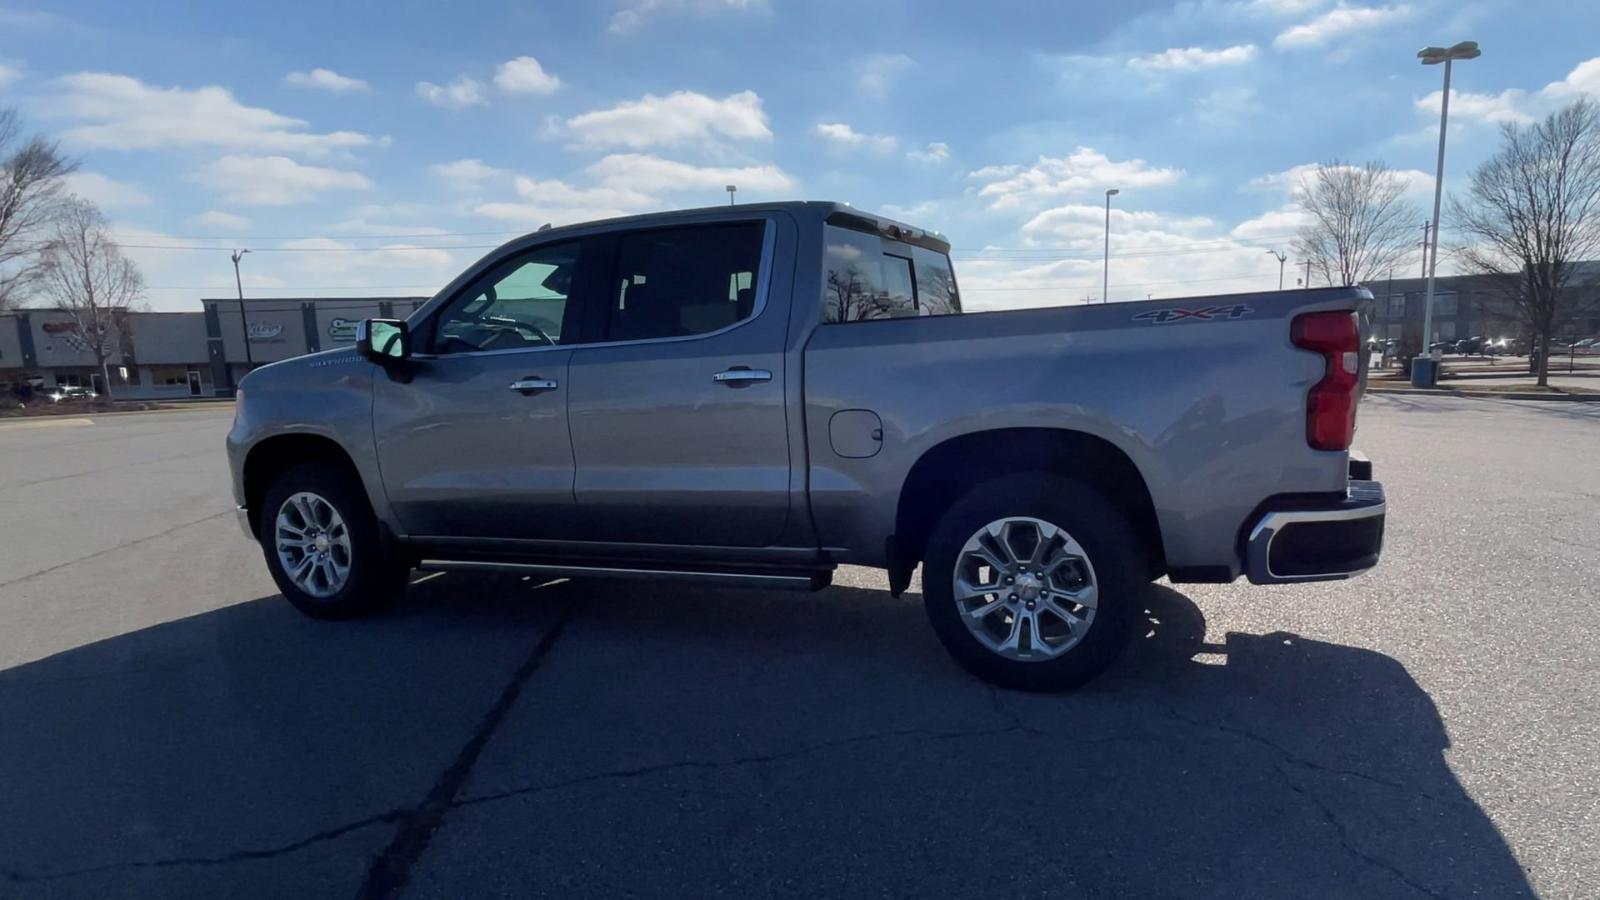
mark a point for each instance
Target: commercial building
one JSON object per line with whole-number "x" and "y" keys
{"x": 166, "y": 355}
{"x": 1467, "y": 306}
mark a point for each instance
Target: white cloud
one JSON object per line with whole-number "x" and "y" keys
{"x": 106, "y": 193}
{"x": 915, "y": 214}
{"x": 1284, "y": 7}
{"x": 1501, "y": 107}
{"x": 458, "y": 94}
{"x": 325, "y": 80}
{"x": 1277, "y": 224}
{"x": 878, "y": 73}
{"x": 841, "y": 135}
{"x": 275, "y": 180}
{"x": 222, "y": 221}
{"x": 935, "y": 152}
{"x": 466, "y": 173}
{"x": 1152, "y": 254}
{"x": 1338, "y": 22}
{"x": 1190, "y": 58}
{"x": 1082, "y": 226}
{"x": 1084, "y": 170}
{"x": 9, "y": 74}
{"x": 1418, "y": 184}
{"x": 632, "y": 17}
{"x": 124, "y": 113}
{"x": 1583, "y": 80}
{"x": 524, "y": 75}
{"x": 624, "y": 184}
{"x": 653, "y": 175}
{"x": 682, "y": 117}
{"x": 332, "y": 256}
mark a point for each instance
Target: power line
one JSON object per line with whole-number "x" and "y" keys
{"x": 312, "y": 249}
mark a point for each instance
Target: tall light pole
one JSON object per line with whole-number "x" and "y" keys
{"x": 244, "y": 323}
{"x": 1282, "y": 258}
{"x": 731, "y": 189}
{"x": 1432, "y": 56}
{"x": 1105, "y": 274}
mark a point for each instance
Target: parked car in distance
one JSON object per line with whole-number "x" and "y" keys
{"x": 755, "y": 395}
{"x": 68, "y": 393}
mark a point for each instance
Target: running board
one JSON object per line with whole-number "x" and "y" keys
{"x": 811, "y": 581}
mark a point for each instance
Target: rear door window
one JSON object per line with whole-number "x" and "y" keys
{"x": 867, "y": 277}
{"x": 676, "y": 282}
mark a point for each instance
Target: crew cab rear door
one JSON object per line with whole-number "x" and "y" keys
{"x": 677, "y": 412}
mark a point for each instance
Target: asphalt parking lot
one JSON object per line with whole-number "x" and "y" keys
{"x": 169, "y": 727}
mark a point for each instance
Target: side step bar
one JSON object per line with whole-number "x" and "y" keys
{"x": 800, "y": 581}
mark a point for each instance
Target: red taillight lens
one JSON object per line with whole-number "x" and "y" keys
{"x": 1331, "y": 404}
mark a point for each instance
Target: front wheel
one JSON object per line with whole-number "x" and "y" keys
{"x": 1029, "y": 581}
{"x": 322, "y": 544}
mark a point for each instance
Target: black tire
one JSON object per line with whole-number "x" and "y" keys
{"x": 1108, "y": 543}
{"x": 376, "y": 577}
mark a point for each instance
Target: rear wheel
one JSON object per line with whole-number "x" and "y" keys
{"x": 322, "y": 544}
{"x": 1029, "y": 579}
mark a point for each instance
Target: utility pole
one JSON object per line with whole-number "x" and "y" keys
{"x": 731, "y": 189}
{"x": 1105, "y": 275}
{"x": 1308, "y": 274}
{"x": 244, "y": 323}
{"x": 1425, "y": 227}
{"x": 1282, "y": 257}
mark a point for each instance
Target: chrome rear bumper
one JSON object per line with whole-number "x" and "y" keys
{"x": 1318, "y": 542}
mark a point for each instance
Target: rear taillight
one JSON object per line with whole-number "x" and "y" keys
{"x": 1331, "y": 405}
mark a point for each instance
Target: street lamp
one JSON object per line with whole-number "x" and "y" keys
{"x": 731, "y": 189}
{"x": 1105, "y": 276}
{"x": 244, "y": 323}
{"x": 1432, "y": 56}
{"x": 1282, "y": 257}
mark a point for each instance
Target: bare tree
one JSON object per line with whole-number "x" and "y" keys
{"x": 1360, "y": 222}
{"x": 1531, "y": 212}
{"x": 87, "y": 278}
{"x": 32, "y": 183}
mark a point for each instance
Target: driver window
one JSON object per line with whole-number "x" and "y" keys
{"x": 519, "y": 304}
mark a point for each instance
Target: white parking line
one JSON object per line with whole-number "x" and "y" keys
{"x": 44, "y": 422}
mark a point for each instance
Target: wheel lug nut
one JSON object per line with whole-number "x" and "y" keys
{"x": 1009, "y": 579}
{"x": 1031, "y": 604}
{"x": 1013, "y": 598}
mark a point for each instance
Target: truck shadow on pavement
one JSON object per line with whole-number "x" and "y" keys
{"x": 495, "y": 737}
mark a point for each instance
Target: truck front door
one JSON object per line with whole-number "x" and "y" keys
{"x": 472, "y": 433}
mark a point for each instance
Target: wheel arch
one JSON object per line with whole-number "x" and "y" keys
{"x": 948, "y": 469}
{"x": 272, "y": 456}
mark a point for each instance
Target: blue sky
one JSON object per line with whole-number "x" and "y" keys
{"x": 358, "y": 151}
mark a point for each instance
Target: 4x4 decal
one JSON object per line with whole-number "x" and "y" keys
{"x": 1205, "y": 314}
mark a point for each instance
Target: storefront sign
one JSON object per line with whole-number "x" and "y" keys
{"x": 343, "y": 329}
{"x": 265, "y": 332}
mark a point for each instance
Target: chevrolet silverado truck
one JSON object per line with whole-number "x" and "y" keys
{"x": 755, "y": 395}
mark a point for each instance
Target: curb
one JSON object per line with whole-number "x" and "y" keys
{"x": 1488, "y": 395}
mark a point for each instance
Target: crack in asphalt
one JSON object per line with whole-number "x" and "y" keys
{"x": 1343, "y": 833}
{"x": 1295, "y": 759}
{"x": 1015, "y": 726}
{"x": 391, "y": 869}
{"x": 17, "y": 876}
{"x": 122, "y": 546}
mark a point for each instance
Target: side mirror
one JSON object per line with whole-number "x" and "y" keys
{"x": 383, "y": 340}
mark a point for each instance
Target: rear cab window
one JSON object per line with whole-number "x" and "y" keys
{"x": 868, "y": 276}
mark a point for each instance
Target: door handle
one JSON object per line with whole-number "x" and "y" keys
{"x": 738, "y": 376}
{"x": 533, "y": 385}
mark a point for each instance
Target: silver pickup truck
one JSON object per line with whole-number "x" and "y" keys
{"x": 754, "y": 395}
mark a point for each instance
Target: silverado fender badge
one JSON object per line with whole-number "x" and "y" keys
{"x": 1205, "y": 314}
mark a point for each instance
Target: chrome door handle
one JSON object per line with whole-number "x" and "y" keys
{"x": 530, "y": 385}
{"x": 737, "y": 377}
